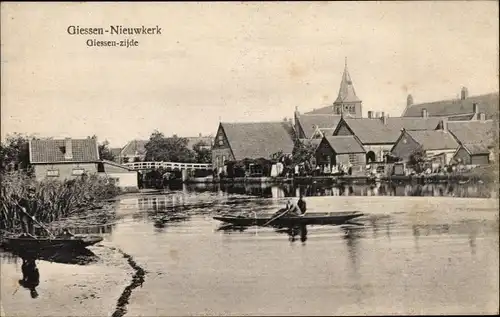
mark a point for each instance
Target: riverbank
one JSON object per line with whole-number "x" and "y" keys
{"x": 66, "y": 289}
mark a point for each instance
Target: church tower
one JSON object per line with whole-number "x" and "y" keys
{"x": 347, "y": 103}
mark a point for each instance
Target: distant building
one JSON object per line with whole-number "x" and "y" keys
{"x": 116, "y": 154}
{"x": 135, "y": 150}
{"x": 256, "y": 140}
{"x": 340, "y": 150}
{"x": 72, "y": 158}
{"x": 463, "y": 108}
{"x": 434, "y": 143}
{"x": 308, "y": 126}
{"x": 63, "y": 158}
{"x": 477, "y": 141}
{"x": 378, "y": 135}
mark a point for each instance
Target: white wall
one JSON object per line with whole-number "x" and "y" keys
{"x": 123, "y": 180}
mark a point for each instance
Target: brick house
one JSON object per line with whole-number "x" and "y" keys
{"x": 340, "y": 150}
{"x": 435, "y": 143}
{"x": 379, "y": 134}
{"x": 63, "y": 159}
{"x": 476, "y": 139}
{"x": 255, "y": 140}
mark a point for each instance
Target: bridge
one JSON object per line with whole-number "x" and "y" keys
{"x": 169, "y": 166}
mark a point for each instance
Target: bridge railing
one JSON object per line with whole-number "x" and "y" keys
{"x": 166, "y": 165}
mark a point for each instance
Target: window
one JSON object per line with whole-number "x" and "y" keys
{"x": 53, "y": 173}
{"x": 217, "y": 161}
{"x": 223, "y": 159}
{"x": 78, "y": 171}
{"x": 353, "y": 159}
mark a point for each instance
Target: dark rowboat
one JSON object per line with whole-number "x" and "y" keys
{"x": 44, "y": 243}
{"x": 312, "y": 218}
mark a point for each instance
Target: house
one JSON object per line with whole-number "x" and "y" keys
{"x": 477, "y": 141}
{"x": 438, "y": 144}
{"x": 347, "y": 102}
{"x": 379, "y": 134}
{"x": 308, "y": 126}
{"x": 251, "y": 140}
{"x": 340, "y": 150}
{"x": 116, "y": 154}
{"x": 63, "y": 159}
{"x": 463, "y": 108}
{"x": 135, "y": 150}
{"x": 473, "y": 154}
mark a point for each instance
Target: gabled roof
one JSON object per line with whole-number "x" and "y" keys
{"x": 134, "y": 147}
{"x": 434, "y": 139}
{"x": 346, "y": 91}
{"x": 345, "y": 144}
{"x": 487, "y": 104}
{"x": 474, "y": 132}
{"x": 259, "y": 139}
{"x": 309, "y": 122}
{"x": 370, "y": 131}
{"x": 115, "y": 151}
{"x": 475, "y": 149}
{"x": 314, "y": 142}
{"x": 51, "y": 151}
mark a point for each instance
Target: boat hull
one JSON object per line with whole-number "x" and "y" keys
{"x": 30, "y": 244}
{"x": 287, "y": 221}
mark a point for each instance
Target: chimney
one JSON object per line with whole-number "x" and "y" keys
{"x": 409, "y": 100}
{"x": 384, "y": 119}
{"x": 382, "y": 114}
{"x": 475, "y": 108}
{"x": 199, "y": 134}
{"x": 482, "y": 116}
{"x": 370, "y": 114}
{"x": 424, "y": 113}
{"x": 68, "y": 153}
{"x": 377, "y": 114}
{"x": 464, "y": 93}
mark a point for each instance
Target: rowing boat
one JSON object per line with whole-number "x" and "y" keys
{"x": 312, "y": 218}
{"x": 44, "y": 243}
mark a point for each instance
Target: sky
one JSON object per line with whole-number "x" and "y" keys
{"x": 233, "y": 62}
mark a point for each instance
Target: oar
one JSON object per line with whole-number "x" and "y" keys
{"x": 278, "y": 216}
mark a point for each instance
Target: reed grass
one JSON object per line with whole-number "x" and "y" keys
{"x": 50, "y": 200}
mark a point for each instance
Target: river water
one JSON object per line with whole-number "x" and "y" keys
{"x": 416, "y": 251}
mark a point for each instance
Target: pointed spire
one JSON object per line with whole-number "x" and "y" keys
{"x": 346, "y": 91}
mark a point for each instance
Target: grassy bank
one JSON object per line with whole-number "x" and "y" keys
{"x": 49, "y": 200}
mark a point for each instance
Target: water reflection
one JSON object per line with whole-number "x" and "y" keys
{"x": 320, "y": 189}
{"x": 31, "y": 276}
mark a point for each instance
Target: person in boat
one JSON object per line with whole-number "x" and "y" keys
{"x": 293, "y": 209}
{"x": 27, "y": 209}
{"x": 301, "y": 203}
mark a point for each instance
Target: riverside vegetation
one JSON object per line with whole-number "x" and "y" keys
{"x": 49, "y": 200}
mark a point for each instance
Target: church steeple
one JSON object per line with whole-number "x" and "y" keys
{"x": 347, "y": 102}
{"x": 346, "y": 91}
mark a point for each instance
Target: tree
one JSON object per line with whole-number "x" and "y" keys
{"x": 174, "y": 149}
{"x": 14, "y": 153}
{"x": 203, "y": 154}
{"x": 105, "y": 152}
{"x": 303, "y": 152}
